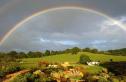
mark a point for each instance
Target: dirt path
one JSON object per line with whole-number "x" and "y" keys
{"x": 12, "y": 76}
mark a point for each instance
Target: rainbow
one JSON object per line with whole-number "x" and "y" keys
{"x": 53, "y": 9}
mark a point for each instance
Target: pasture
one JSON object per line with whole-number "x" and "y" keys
{"x": 73, "y": 59}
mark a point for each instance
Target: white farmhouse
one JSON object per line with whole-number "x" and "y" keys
{"x": 93, "y": 63}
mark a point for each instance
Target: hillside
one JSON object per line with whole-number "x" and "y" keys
{"x": 72, "y": 58}
{"x": 121, "y": 51}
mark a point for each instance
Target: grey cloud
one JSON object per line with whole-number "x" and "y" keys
{"x": 69, "y": 25}
{"x": 20, "y": 9}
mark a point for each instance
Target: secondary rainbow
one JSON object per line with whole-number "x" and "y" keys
{"x": 58, "y": 8}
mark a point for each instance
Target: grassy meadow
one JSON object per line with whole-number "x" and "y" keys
{"x": 73, "y": 59}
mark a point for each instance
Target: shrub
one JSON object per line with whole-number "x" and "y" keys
{"x": 84, "y": 59}
{"x": 30, "y": 77}
{"x": 48, "y": 71}
{"x": 19, "y": 78}
{"x": 115, "y": 67}
{"x": 43, "y": 64}
{"x": 114, "y": 80}
{"x": 44, "y": 79}
{"x": 89, "y": 78}
{"x": 8, "y": 70}
{"x": 2, "y": 74}
{"x": 102, "y": 79}
{"x": 12, "y": 69}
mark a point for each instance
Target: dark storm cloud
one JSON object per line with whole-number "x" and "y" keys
{"x": 13, "y": 11}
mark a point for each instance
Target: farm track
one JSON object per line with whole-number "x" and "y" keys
{"x": 10, "y": 77}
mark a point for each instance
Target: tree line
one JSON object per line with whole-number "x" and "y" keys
{"x": 118, "y": 52}
{"x": 32, "y": 54}
{"x": 73, "y": 51}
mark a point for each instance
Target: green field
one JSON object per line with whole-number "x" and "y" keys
{"x": 75, "y": 58}
{"x": 72, "y": 58}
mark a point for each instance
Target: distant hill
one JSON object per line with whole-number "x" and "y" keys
{"x": 118, "y": 52}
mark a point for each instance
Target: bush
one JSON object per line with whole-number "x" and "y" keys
{"x": 84, "y": 59}
{"x": 8, "y": 70}
{"x": 115, "y": 67}
{"x": 102, "y": 79}
{"x": 28, "y": 77}
{"x": 19, "y": 78}
{"x": 114, "y": 80}
{"x": 89, "y": 78}
{"x": 43, "y": 64}
{"x": 12, "y": 69}
{"x": 2, "y": 74}
{"x": 48, "y": 71}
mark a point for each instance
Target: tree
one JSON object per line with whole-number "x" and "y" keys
{"x": 30, "y": 54}
{"x": 34, "y": 54}
{"x": 67, "y": 51}
{"x": 47, "y": 53}
{"x": 75, "y": 50}
{"x": 84, "y": 59}
{"x": 94, "y": 51}
{"x": 86, "y": 50}
{"x": 22, "y": 55}
{"x": 12, "y": 54}
{"x": 38, "y": 54}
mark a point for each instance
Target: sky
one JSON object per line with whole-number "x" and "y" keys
{"x": 63, "y": 28}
